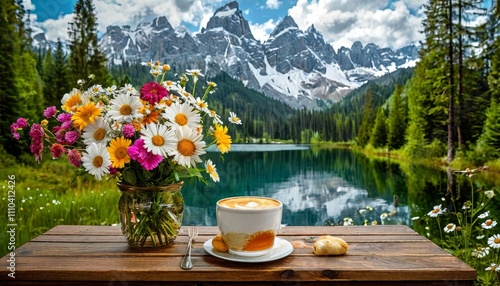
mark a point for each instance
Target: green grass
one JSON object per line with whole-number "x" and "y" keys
{"x": 46, "y": 197}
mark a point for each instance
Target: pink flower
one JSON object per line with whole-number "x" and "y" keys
{"x": 75, "y": 158}
{"x": 128, "y": 130}
{"x": 71, "y": 136}
{"x": 36, "y": 147}
{"x": 138, "y": 152}
{"x": 57, "y": 150}
{"x": 13, "y": 130}
{"x": 64, "y": 117}
{"x": 22, "y": 122}
{"x": 49, "y": 112}
{"x": 153, "y": 92}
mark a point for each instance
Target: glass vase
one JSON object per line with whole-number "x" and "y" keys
{"x": 151, "y": 216}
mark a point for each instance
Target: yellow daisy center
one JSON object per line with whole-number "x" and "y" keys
{"x": 435, "y": 210}
{"x": 97, "y": 161}
{"x": 186, "y": 147}
{"x": 99, "y": 134}
{"x": 181, "y": 119}
{"x": 157, "y": 140}
{"x": 489, "y": 222}
{"x": 125, "y": 109}
{"x": 121, "y": 153}
{"x": 497, "y": 240}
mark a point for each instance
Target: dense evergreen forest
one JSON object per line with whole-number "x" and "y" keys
{"x": 448, "y": 105}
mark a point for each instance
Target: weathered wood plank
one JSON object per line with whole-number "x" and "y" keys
{"x": 309, "y": 267}
{"x": 388, "y": 254}
{"x": 71, "y": 249}
{"x": 287, "y": 230}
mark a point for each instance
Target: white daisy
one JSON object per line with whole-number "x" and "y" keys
{"x": 450, "y": 227}
{"x": 215, "y": 116}
{"x": 125, "y": 108}
{"x": 189, "y": 146}
{"x": 484, "y": 215}
{"x": 494, "y": 241}
{"x": 195, "y": 73}
{"x": 96, "y": 132}
{"x": 179, "y": 114}
{"x": 436, "y": 211}
{"x": 489, "y": 223}
{"x": 158, "y": 139}
{"x": 233, "y": 118}
{"x": 201, "y": 105}
{"x": 348, "y": 221}
{"x": 493, "y": 267}
{"x": 96, "y": 160}
{"x": 210, "y": 166}
{"x": 480, "y": 252}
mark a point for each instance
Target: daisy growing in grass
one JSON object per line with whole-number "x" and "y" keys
{"x": 153, "y": 135}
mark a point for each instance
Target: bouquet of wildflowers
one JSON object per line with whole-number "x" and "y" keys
{"x": 152, "y": 136}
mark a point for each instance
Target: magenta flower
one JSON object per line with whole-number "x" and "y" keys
{"x": 49, "y": 112}
{"x": 57, "y": 150}
{"x": 128, "y": 130}
{"x": 36, "y": 147}
{"x": 148, "y": 160}
{"x": 64, "y": 117}
{"x": 22, "y": 122}
{"x": 71, "y": 136}
{"x": 153, "y": 92}
{"x": 75, "y": 158}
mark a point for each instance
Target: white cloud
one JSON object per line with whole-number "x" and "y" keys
{"x": 131, "y": 12}
{"x": 273, "y": 4}
{"x": 57, "y": 28}
{"x": 377, "y": 21}
{"x": 262, "y": 31}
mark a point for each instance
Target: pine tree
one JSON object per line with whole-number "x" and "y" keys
{"x": 367, "y": 121}
{"x": 378, "y": 136}
{"x": 85, "y": 57}
{"x": 397, "y": 121}
{"x": 61, "y": 82}
{"x": 9, "y": 105}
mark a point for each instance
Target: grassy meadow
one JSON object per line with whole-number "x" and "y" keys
{"x": 45, "y": 196}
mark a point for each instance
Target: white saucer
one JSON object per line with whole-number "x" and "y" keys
{"x": 281, "y": 249}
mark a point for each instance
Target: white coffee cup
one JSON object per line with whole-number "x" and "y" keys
{"x": 249, "y": 224}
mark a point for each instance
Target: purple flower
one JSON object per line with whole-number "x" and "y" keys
{"x": 49, "y": 112}
{"x": 36, "y": 147}
{"x": 148, "y": 160}
{"x": 22, "y": 122}
{"x": 71, "y": 136}
{"x": 75, "y": 158}
{"x": 128, "y": 130}
{"x": 64, "y": 117}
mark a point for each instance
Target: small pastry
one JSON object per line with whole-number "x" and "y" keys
{"x": 219, "y": 244}
{"x": 330, "y": 245}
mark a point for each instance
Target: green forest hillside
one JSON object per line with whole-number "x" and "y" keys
{"x": 446, "y": 107}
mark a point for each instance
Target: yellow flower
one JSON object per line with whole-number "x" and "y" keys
{"x": 73, "y": 99}
{"x": 85, "y": 115}
{"x": 223, "y": 140}
{"x": 118, "y": 152}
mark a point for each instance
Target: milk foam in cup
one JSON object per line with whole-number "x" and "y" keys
{"x": 249, "y": 224}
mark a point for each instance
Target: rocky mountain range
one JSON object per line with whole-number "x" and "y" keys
{"x": 295, "y": 66}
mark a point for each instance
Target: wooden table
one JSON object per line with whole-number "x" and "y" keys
{"x": 99, "y": 255}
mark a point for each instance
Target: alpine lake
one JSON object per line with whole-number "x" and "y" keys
{"x": 329, "y": 186}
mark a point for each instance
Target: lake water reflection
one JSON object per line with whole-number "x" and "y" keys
{"x": 317, "y": 187}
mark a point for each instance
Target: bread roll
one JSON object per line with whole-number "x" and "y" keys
{"x": 330, "y": 245}
{"x": 219, "y": 244}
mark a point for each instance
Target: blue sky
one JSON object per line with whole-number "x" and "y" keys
{"x": 387, "y": 23}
